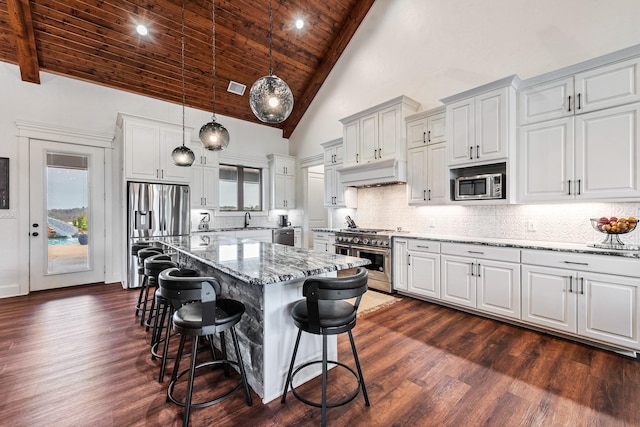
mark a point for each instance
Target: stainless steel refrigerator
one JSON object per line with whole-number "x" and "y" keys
{"x": 154, "y": 211}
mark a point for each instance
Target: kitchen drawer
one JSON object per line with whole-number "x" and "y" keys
{"x": 605, "y": 264}
{"x": 481, "y": 252}
{"x": 423, "y": 246}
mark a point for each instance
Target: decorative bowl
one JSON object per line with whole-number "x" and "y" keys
{"x": 613, "y": 227}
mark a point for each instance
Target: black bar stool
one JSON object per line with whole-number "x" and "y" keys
{"x": 144, "y": 289}
{"x": 153, "y": 265}
{"x": 205, "y": 317}
{"x": 172, "y": 294}
{"x": 323, "y": 312}
{"x": 135, "y": 248}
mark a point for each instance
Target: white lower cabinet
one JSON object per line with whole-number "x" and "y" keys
{"x": 423, "y": 272}
{"x": 324, "y": 242}
{"x": 482, "y": 282}
{"x": 603, "y": 307}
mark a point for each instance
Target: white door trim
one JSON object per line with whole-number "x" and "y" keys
{"x": 31, "y": 130}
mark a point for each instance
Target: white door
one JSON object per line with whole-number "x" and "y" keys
{"x": 607, "y": 159}
{"x": 66, "y": 207}
{"x": 549, "y": 297}
{"x": 491, "y": 125}
{"x": 458, "y": 280}
{"x": 424, "y": 274}
{"x": 437, "y": 171}
{"x": 461, "y": 137}
{"x": 498, "y": 288}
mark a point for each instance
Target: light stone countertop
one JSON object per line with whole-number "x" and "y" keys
{"x": 260, "y": 263}
{"x": 522, "y": 244}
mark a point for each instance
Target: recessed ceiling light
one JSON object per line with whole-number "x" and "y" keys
{"x": 299, "y": 23}
{"x": 142, "y": 30}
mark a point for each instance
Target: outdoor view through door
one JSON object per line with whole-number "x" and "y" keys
{"x": 67, "y": 213}
{"x": 66, "y": 197}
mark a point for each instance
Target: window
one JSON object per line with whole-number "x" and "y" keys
{"x": 240, "y": 188}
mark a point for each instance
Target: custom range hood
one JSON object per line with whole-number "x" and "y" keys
{"x": 382, "y": 172}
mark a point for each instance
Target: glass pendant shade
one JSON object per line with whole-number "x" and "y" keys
{"x": 183, "y": 156}
{"x": 271, "y": 99}
{"x": 214, "y": 136}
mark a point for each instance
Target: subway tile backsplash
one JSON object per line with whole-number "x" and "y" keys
{"x": 386, "y": 207}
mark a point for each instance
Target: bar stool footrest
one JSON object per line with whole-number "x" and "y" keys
{"x": 344, "y": 401}
{"x": 217, "y": 363}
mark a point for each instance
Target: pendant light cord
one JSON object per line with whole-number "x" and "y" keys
{"x": 213, "y": 60}
{"x": 182, "y": 52}
{"x": 270, "y": 39}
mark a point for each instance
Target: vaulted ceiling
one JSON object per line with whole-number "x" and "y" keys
{"x": 96, "y": 41}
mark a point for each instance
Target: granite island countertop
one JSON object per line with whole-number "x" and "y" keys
{"x": 260, "y": 263}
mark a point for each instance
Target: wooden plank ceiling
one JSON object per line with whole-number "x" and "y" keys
{"x": 96, "y": 41}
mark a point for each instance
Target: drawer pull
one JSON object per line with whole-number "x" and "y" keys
{"x": 476, "y": 252}
{"x": 425, "y": 247}
{"x": 576, "y": 263}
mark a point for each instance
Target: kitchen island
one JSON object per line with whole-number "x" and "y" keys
{"x": 267, "y": 278}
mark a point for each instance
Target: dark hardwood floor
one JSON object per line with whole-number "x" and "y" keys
{"x": 78, "y": 357}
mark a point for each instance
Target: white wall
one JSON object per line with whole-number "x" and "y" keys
{"x": 430, "y": 49}
{"x": 67, "y": 103}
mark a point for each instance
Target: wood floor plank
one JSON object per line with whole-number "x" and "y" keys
{"x": 77, "y": 356}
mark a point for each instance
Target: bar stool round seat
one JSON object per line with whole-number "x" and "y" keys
{"x": 325, "y": 312}
{"x": 204, "y": 318}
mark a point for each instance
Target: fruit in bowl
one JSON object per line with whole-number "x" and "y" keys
{"x": 614, "y": 225}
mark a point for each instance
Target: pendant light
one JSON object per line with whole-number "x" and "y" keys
{"x": 213, "y": 135}
{"x": 270, "y": 98}
{"x": 182, "y": 155}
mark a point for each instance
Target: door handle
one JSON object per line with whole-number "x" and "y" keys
{"x": 409, "y": 259}
{"x": 424, "y": 194}
{"x": 424, "y": 137}
{"x": 478, "y": 271}
{"x": 470, "y": 153}
{"x": 579, "y": 101}
{"x": 477, "y": 151}
{"x": 429, "y": 195}
{"x": 569, "y": 103}
{"x": 429, "y": 138}
{"x": 375, "y": 154}
{"x": 379, "y": 153}
{"x": 35, "y": 234}
{"x": 582, "y": 286}
{"x": 473, "y": 273}
{"x": 569, "y": 187}
{"x": 570, "y": 284}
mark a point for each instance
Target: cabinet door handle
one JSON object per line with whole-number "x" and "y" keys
{"x": 424, "y": 194}
{"x": 472, "y": 269}
{"x": 579, "y": 187}
{"x": 408, "y": 259}
{"x": 162, "y": 173}
{"x": 379, "y": 153}
{"x": 477, "y": 151}
{"x": 470, "y": 153}
{"x": 576, "y": 263}
{"x": 570, "y": 284}
{"x": 478, "y": 274}
{"x": 424, "y": 137}
{"x": 157, "y": 173}
{"x": 579, "y": 102}
{"x": 204, "y": 160}
{"x": 429, "y": 137}
{"x": 569, "y": 103}
{"x": 582, "y": 286}
{"x": 357, "y": 161}
{"x": 429, "y": 195}
{"x": 569, "y": 187}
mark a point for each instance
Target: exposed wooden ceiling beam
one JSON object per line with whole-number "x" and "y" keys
{"x": 20, "y": 20}
{"x": 338, "y": 46}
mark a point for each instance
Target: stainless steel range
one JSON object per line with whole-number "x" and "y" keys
{"x": 373, "y": 244}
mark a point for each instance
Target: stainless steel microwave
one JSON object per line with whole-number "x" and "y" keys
{"x": 480, "y": 187}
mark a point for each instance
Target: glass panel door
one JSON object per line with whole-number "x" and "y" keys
{"x": 67, "y": 215}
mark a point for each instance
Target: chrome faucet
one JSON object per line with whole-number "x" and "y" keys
{"x": 247, "y": 217}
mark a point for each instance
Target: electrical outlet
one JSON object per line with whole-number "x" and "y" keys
{"x": 531, "y": 225}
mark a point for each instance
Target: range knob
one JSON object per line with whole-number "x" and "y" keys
{"x": 365, "y": 241}
{"x": 385, "y": 243}
{"x": 356, "y": 240}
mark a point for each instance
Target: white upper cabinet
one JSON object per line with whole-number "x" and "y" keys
{"x": 283, "y": 188}
{"x": 481, "y": 124}
{"x": 336, "y": 195}
{"x": 377, "y": 133}
{"x": 426, "y": 128}
{"x": 596, "y": 89}
{"x": 579, "y": 136}
{"x": 148, "y": 145}
{"x": 427, "y": 182}
{"x": 205, "y": 177}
